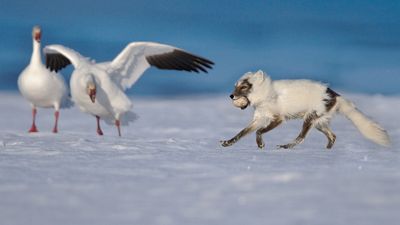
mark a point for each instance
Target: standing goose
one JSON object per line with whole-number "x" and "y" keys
{"x": 41, "y": 87}
{"x": 98, "y": 88}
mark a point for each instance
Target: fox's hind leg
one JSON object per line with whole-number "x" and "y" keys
{"x": 307, "y": 125}
{"x": 324, "y": 128}
{"x": 323, "y": 123}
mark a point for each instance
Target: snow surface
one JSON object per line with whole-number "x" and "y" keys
{"x": 169, "y": 168}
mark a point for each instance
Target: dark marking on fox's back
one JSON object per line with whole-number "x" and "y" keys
{"x": 330, "y": 102}
{"x": 331, "y": 93}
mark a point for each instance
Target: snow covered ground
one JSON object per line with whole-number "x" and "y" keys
{"x": 168, "y": 168}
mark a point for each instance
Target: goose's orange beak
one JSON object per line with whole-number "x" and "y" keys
{"x": 37, "y": 33}
{"x": 38, "y": 36}
{"x": 92, "y": 94}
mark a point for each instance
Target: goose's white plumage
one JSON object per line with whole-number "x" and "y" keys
{"x": 131, "y": 63}
{"x": 98, "y": 88}
{"x": 40, "y": 86}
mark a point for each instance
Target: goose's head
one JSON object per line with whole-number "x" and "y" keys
{"x": 36, "y": 33}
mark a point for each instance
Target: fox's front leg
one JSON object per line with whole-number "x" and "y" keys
{"x": 273, "y": 124}
{"x": 252, "y": 127}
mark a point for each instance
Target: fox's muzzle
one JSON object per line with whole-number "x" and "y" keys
{"x": 240, "y": 101}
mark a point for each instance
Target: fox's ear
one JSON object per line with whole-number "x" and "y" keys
{"x": 260, "y": 75}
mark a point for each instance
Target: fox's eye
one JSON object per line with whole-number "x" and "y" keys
{"x": 243, "y": 87}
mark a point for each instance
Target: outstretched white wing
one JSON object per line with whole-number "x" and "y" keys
{"x": 58, "y": 57}
{"x": 131, "y": 63}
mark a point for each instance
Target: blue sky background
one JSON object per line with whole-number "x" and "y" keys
{"x": 352, "y": 45}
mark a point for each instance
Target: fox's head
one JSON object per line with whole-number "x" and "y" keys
{"x": 250, "y": 89}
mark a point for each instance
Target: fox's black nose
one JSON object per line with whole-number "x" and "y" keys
{"x": 231, "y": 96}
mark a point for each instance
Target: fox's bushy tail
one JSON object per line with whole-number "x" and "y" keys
{"x": 366, "y": 126}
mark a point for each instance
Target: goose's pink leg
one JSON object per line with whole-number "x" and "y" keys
{"x": 56, "y": 115}
{"x": 99, "y": 131}
{"x": 33, "y": 128}
{"x": 118, "y": 124}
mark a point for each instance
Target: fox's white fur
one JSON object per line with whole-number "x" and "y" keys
{"x": 366, "y": 126}
{"x": 277, "y": 101}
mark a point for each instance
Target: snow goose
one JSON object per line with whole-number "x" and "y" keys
{"x": 98, "y": 88}
{"x": 41, "y": 87}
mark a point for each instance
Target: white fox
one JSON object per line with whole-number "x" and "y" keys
{"x": 315, "y": 103}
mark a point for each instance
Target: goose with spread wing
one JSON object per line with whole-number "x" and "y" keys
{"x": 99, "y": 88}
{"x": 41, "y": 87}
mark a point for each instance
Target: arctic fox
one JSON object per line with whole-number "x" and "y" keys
{"x": 315, "y": 103}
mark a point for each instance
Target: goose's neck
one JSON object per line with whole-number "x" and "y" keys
{"x": 36, "y": 59}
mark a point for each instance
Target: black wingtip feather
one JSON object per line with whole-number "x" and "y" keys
{"x": 180, "y": 60}
{"x": 56, "y": 62}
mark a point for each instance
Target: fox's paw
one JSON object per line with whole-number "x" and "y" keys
{"x": 261, "y": 145}
{"x": 260, "y": 142}
{"x": 226, "y": 143}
